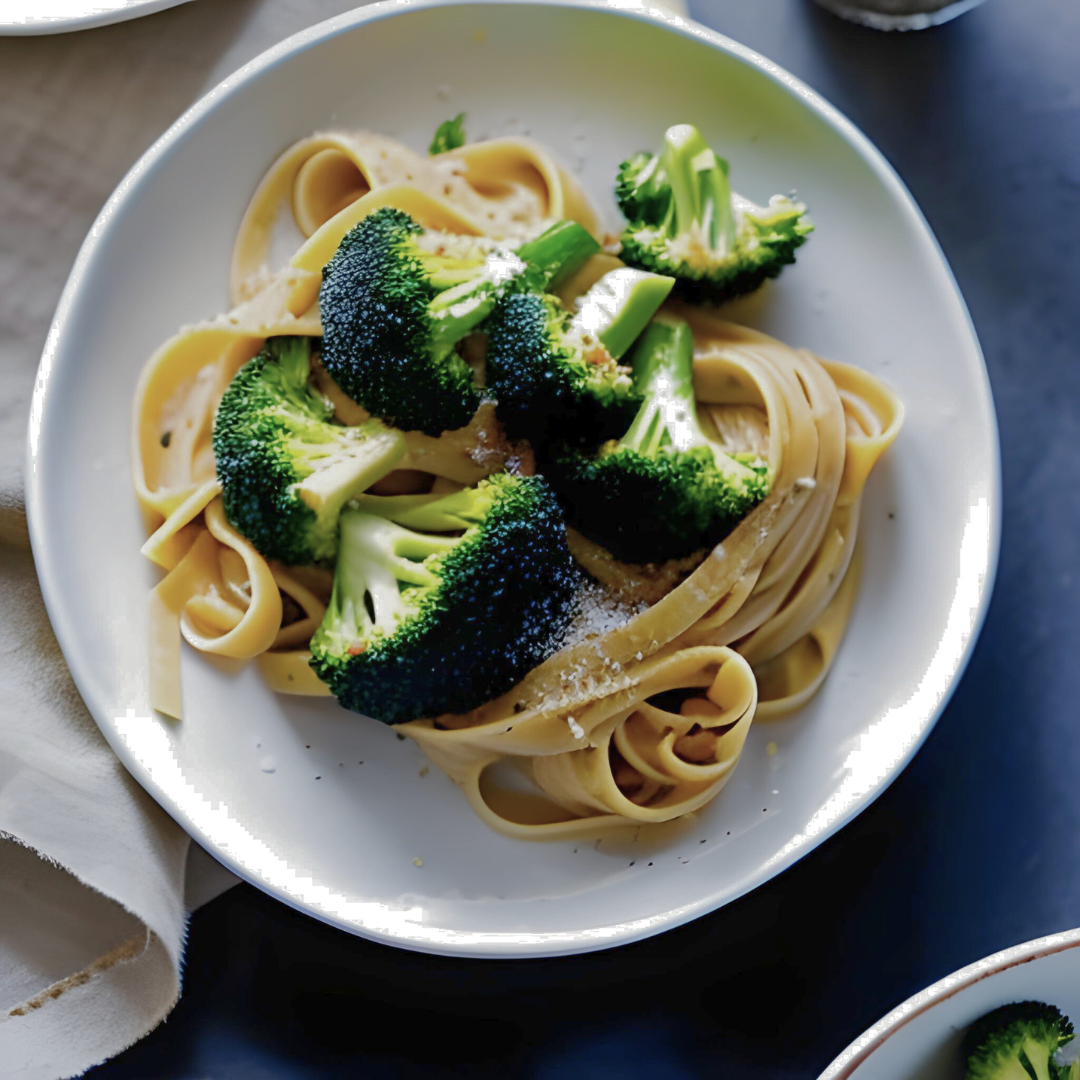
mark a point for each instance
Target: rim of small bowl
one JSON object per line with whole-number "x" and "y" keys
{"x": 874, "y": 1038}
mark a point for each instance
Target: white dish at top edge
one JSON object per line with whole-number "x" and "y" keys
{"x": 32, "y": 17}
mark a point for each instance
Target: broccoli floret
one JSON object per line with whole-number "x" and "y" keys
{"x": 396, "y": 299}
{"x": 1017, "y": 1042}
{"x": 665, "y": 489}
{"x": 449, "y": 135}
{"x": 555, "y": 374}
{"x": 286, "y": 469}
{"x": 684, "y": 220}
{"x": 441, "y": 603}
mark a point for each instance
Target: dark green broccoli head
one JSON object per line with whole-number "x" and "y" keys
{"x": 684, "y": 220}
{"x": 548, "y": 383}
{"x": 396, "y": 299}
{"x": 642, "y": 189}
{"x": 441, "y": 603}
{"x": 1017, "y": 1042}
{"x": 285, "y": 468}
{"x": 664, "y": 490}
{"x": 380, "y": 335}
{"x": 651, "y": 509}
{"x": 555, "y": 374}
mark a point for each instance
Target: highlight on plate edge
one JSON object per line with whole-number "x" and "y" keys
{"x": 478, "y": 471}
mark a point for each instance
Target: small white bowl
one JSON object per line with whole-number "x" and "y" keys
{"x": 922, "y": 1037}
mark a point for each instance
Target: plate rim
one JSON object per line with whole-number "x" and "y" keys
{"x": 453, "y": 942}
{"x": 870, "y": 1041}
{"x": 43, "y": 26}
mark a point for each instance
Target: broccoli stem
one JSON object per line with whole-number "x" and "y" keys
{"x": 375, "y": 557}
{"x": 444, "y": 272}
{"x": 664, "y": 373}
{"x": 663, "y": 368}
{"x": 555, "y": 254}
{"x": 618, "y": 307}
{"x": 294, "y": 359}
{"x": 539, "y": 264}
{"x": 701, "y": 194}
{"x": 367, "y": 455}
{"x": 438, "y": 513}
{"x": 342, "y": 461}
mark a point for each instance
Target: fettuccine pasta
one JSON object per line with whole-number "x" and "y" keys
{"x": 642, "y": 715}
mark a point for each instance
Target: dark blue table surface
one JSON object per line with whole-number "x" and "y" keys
{"x": 972, "y": 849}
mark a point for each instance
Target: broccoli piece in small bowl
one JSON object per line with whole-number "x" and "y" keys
{"x": 443, "y": 602}
{"x": 664, "y": 490}
{"x": 396, "y": 299}
{"x": 555, "y": 374}
{"x": 1018, "y": 1042}
{"x": 286, "y": 469}
{"x": 683, "y": 219}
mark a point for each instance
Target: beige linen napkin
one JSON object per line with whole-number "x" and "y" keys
{"x": 91, "y": 871}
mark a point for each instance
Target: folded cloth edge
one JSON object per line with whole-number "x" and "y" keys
{"x": 67, "y": 800}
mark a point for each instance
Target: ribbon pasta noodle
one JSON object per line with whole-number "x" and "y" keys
{"x": 638, "y": 720}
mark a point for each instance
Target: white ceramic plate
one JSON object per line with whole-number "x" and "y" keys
{"x": 338, "y": 838}
{"x": 63, "y": 16}
{"x": 922, "y": 1037}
